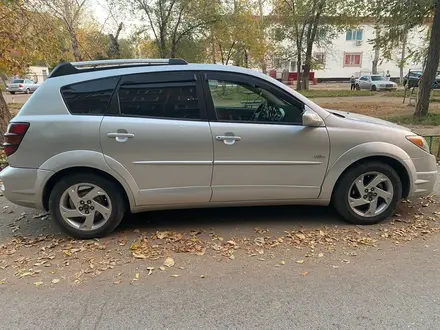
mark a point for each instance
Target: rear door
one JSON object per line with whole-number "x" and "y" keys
{"x": 158, "y": 131}
{"x": 261, "y": 149}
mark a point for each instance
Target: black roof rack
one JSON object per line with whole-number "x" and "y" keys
{"x": 68, "y": 68}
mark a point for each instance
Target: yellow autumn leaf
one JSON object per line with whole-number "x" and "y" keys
{"x": 38, "y": 283}
{"x": 300, "y": 261}
{"x": 169, "y": 262}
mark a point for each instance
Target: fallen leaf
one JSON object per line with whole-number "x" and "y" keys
{"x": 137, "y": 276}
{"x": 320, "y": 255}
{"x": 139, "y": 255}
{"x": 2, "y": 281}
{"x": 174, "y": 275}
{"x": 181, "y": 267}
{"x": 202, "y": 276}
{"x": 150, "y": 270}
{"x": 169, "y": 262}
{"x": 56, "y": 280}
{"x": 162, "y": 267}
{"x": 305, "y": 273}
{"x": 38, "y": 283}
{"x": 232, "y": 257}
{"x": 282, "y": 262}
{"x": 300, "y": 261}
{"x": 67, "y": 253}
{"x": 301, "y": 236}
{"x": 162, "y": 234}
{"x": 259, "y": 241}
{"x": 26, "y": 274}
{"x": 260, "y": 259}
{"x": 117, "y": 282}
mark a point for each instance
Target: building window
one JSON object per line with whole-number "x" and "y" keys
{"x": 353, "y": 35}
{"x": 352, "y": 59}
{"x": 293, "y": 66}
{"x": 319, "y": 58}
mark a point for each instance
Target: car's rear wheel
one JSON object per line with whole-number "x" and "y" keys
{"x": 86, "y": 205}
{"x": 28, "y": 91}
{"x": 368, "y": 193}
{"x": 13, "y": 93}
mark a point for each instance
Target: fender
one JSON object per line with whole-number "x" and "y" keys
{"x": 359, "y": 152}
{"x": 95, "y": 160}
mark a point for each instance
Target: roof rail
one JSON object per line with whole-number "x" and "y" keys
{"x": 68, "y": 68}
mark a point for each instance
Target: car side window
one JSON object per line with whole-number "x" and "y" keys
{"x": 172, "y": 100}
{"x": 90, "y": 97}
{"x": 245, "y": 102}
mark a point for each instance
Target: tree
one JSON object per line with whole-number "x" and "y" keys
{"x": 170, "y": 21}
{"x": 299, "y": 21}
{"x": 431, "y": 67}
{"x": 400, "y": 16}
{"x": 70, "y": 13}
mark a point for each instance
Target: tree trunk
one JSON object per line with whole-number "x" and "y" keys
{"x": 298, "y": 71}
{"x": 432, "y": 63}
{"x": 5, "y": 116}
{"x": 376, "y": 51}
{"x": 75, "y": 45}
{"x": 403, "y": 54}
{"x": 260, "y": 11}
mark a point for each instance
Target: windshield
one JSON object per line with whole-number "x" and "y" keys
{"x": 376, "y": 78}
{"x": 18, "y": 81}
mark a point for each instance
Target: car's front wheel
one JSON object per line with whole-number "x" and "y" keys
{"x": 373, "y": 88}
{"x": 86, "y": 205}
{"x": 368, "y": 193}
{"x": 358, "y": 88}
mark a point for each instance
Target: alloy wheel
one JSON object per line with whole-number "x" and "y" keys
{"x": 370, "y": 194}
{"x": 85, "y": 206}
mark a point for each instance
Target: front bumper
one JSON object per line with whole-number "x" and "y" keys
{"x": 24, "y": 186}
{"x": 386, "y": 88}
{"x": 425, "y": 177}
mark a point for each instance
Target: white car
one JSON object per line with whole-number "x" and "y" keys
{"x": 375, "y": 83}
{"x": 26, "y": 86}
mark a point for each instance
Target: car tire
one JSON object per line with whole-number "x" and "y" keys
{"x": 105, "y": 210}
{"x": 27, "y": 91}
{"x": 358, "y": 88}
{"x": 346, "y": 194}
{"x": 373, "y": 88}
{"x": 12, "y": 93}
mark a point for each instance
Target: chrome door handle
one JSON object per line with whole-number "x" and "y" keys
{"x": 120, "y": 137}
{"x": 228, "y": 139}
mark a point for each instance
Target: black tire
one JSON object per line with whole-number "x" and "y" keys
{"x": 358, "y": 88}
{"x": 28, "y": 91}
{"x": 341, "y": 192}
{"x": 111, "y": 189}
{"x": 12, "y": 93}
{"x": 373, "y": 88}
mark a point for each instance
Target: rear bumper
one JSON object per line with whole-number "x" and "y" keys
{"x": 24, "y": 186}
{"x": 15, "y": 89}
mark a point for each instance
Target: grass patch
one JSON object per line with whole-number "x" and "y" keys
{"x": 432, "y": 119}
{"x": 335, "y": 93}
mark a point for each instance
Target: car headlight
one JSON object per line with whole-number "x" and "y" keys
{"x": 419, "y": 141}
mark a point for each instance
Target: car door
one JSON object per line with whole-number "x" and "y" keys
{"x": 261, "y": 149}
{"x": 362, "y": 81}
{"x": 158, "y": 131}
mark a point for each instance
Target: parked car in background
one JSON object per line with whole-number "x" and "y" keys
{"x": 138, "y": 135}
{"x": 375, "y": 83}
{"x": 412, "y": 79}
{"x": 22, "y": 86}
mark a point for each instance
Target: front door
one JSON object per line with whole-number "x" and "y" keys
{"x": 261, "y": 149}
{"x": 159, "y": 132}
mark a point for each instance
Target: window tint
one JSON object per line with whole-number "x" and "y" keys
{"x": 90, "y": 97}
{"x": 249, "y": 103}
{"x": 171, "y": 100}
{"x": 17, "y": 81}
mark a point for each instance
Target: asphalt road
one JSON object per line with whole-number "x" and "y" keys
{"x": 393, "y": 288}
{"x": 16, "y": 98}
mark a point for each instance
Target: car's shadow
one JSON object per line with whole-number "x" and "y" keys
{"x": 235, "y": 220}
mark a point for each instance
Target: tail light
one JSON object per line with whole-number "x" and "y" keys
{"x": 13, "y": 137}
{"x": 20, "y": 85}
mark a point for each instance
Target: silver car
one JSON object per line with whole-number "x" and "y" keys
{"x": 26, "y": 86}
{"x": 102, "y": 138}
{"x": 375, "y": 83}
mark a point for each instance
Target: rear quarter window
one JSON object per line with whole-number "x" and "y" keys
{"x": 90, "y": 97}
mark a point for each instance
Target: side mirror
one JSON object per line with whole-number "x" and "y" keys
{"x": 311, "y": 119}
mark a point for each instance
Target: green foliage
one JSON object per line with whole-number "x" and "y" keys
{"x": 430, "y": 119}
